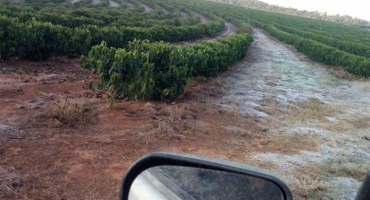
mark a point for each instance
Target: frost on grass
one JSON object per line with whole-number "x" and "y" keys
{"x": 7, "y": 132}
{"x": 9, "y": 181}
{"x": 344, "y": 188}
{"x": 337, "y": 171}
{"x": 334, "y": 159}
{"x": 286, "y": 165}
{"x": 310, "y": 131}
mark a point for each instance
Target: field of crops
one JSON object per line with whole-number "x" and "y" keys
{"x": 128, "y": 43}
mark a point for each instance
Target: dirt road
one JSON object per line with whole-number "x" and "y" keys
{"x": 165, "y": 11}
{"x": 113, "y": 4}
{"x": 203, "y": 19}
{"x": 95, "y": 2}
{"x": 184, "y": 15}
{"x": 290, "y": 96}
{"x": 147, "y": 8}
{"x": 130, "y": 6}
{"x": 230, "y": 29}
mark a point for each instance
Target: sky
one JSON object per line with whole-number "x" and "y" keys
{"x": 353, "y": 8}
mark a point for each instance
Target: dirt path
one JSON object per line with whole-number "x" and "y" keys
{"x": 290, "y": 96}
{"x": 203, "y": 19}
{"x": 113, "y": 4}
{"x": 165, "y": 11}
{"x": 147, "y": 8}
{"x": 230, "y": 29}
{"x": 16, "y": 1}
{"x": 95, "y": 2}
{"x": 130, "y": 6}
{"x": 184, "y": 15}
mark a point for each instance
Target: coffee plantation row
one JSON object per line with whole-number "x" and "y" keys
{"x": 160, "y": 70}
{"x": 58, "y": 31}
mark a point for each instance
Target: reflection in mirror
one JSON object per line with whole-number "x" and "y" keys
{"x": 187, "y": 183}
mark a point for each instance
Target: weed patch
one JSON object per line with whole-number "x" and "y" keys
{"x": 65, "y": 112}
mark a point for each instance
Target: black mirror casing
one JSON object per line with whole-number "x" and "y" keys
{"x": 186, "y": 160}
{"x": 364, "y": 191}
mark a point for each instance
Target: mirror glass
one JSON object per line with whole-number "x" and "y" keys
{"x": 187, "y": 183}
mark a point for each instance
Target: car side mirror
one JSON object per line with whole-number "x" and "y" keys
{"x": 188, "y": 177}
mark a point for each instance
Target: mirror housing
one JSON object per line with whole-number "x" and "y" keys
{"x": 186, "y": 160}
{"x": 364, "y": 191}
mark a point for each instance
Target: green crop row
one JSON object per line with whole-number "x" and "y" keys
{"x": 40, "y": 40}
{"x": 160, "y": 70}
{"x": 323, "y": 53}
{"x": 347, "y": 46}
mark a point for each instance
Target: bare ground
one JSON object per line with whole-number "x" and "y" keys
{"x": 165, "y": 11}
{"x": 229, "y": 30}
{"x": 113, "y": 4}
{"x": 184, "y": 15}
{"x": 147, "y": 8}
{"x": 130, "y": 6}
{"x": 275, "y": 110}
{"x": 95, "y": 2}
{"x": 203, "y": 19}
{"x": 62, "y": 141}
